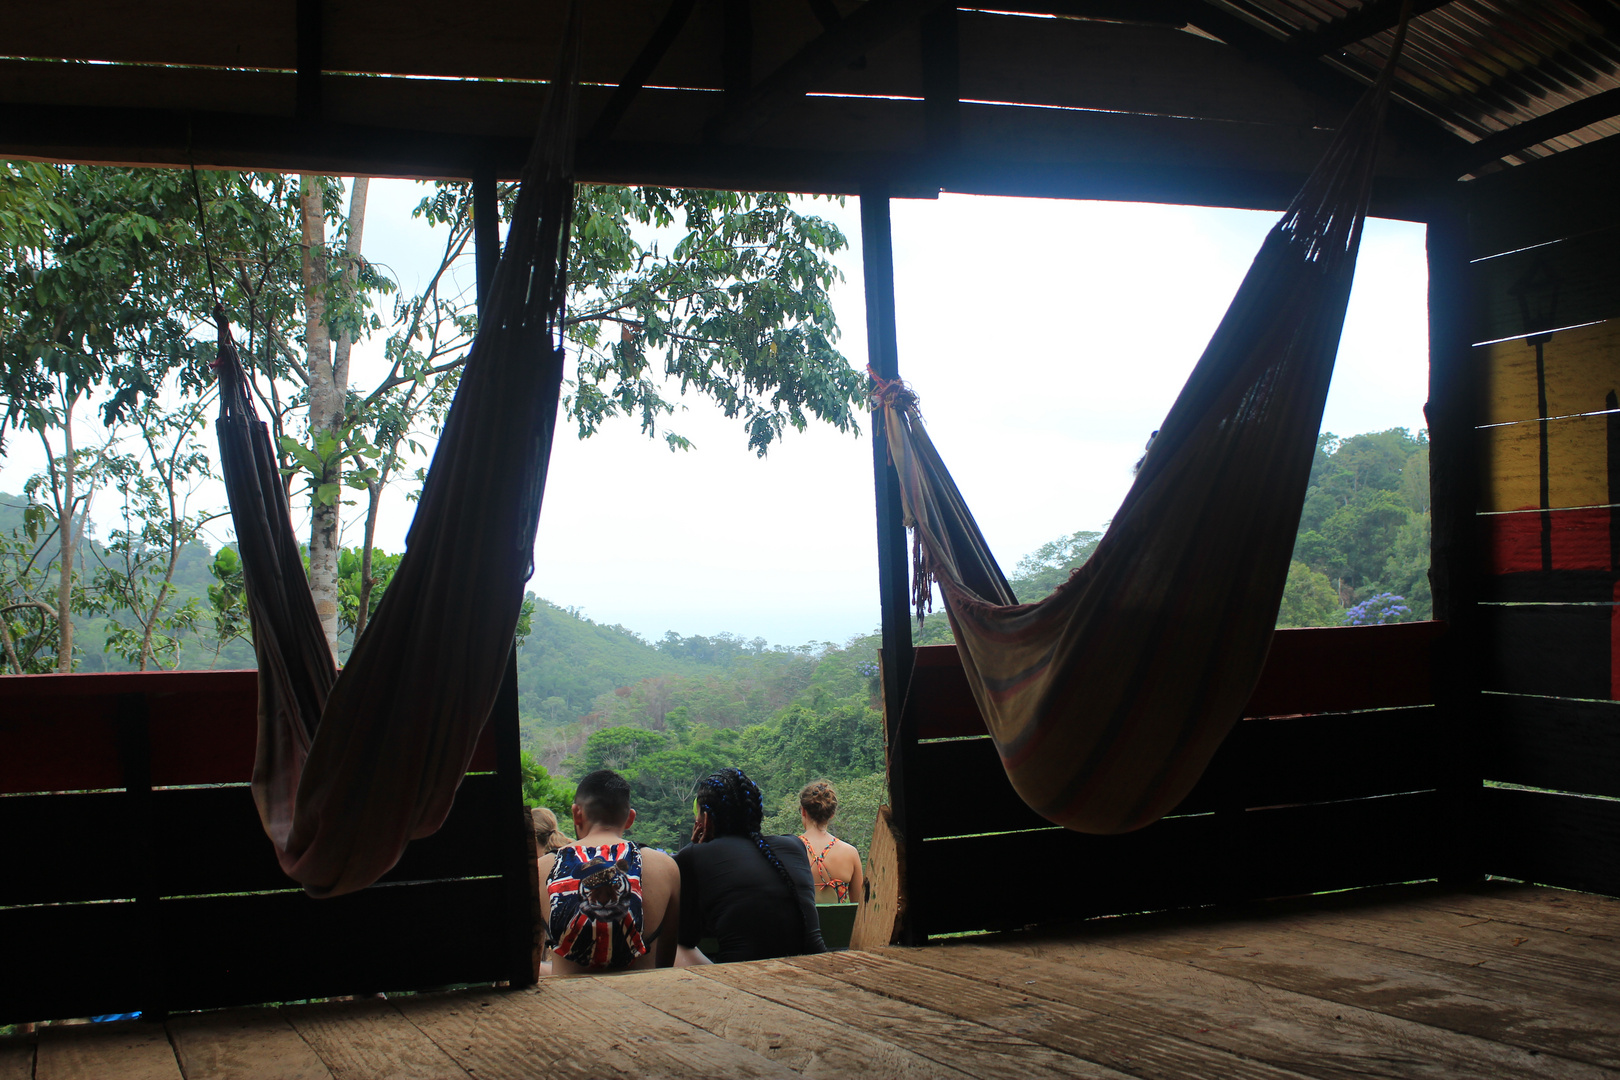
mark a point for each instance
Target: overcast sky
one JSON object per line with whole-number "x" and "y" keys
{"x": 1045, "y": 340}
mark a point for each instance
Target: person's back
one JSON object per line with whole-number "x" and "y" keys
{"x": 752, "y": 893}
{"x": 609, "y": 901}
{"x": 737, "y": 897}
{"x": 836, "y": 865}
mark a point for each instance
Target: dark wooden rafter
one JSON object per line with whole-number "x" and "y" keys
{"x": 737, "y": 49}
{"x": 874, "y": 22}
{"x": 1155, "y": 12}
{"x": 1308, "y": 71}
{"x": 827, "y": 13}
{"x": 310, "y": 58}
{"x": 942, "y": 80}
{"x": 1371, "y": 18}
{"x": 1551, "y": 125}
{"x": 1604, "y": 13}
{"x": 646, "y": 62}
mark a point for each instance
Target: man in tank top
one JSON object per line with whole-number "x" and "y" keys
{"x": 609, "y": 901}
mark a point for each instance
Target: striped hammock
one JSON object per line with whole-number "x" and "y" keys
{"x": 1107, "y": 699}
{"x": 351, "y": 767}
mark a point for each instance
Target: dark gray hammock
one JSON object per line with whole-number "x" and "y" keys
{"x": 352, "y": 766}
{"x": 1107, "y": 699}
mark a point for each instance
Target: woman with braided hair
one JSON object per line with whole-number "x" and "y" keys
{"x": 753, "y": 894}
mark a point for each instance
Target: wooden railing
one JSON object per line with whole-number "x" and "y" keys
{"x": 139, "y": 877}
{"x": 1331, "y": 782}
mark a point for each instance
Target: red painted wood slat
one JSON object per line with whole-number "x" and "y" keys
{"x": 1329, "y": 669}
{"x": 60, "y": 732}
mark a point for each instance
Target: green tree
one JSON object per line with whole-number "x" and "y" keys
{"x": 1049, "y": 565}
{"x": 1406, "y": 571}
{"x": 540, "y": 788}
{"x": 1363, "y": 531}
{"x": 1309, "y": 599}
{"x": 227, "y": 598}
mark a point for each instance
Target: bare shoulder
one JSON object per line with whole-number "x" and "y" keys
{"x": 845, "y": 845}
{"x": 657, "y": 862}
{"x": 547, "y": 861}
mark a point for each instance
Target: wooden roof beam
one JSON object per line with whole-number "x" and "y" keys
{"x": 1312, "y": 74}
{"x": 309, "y": 35}
{"x": 663, "y": 36}
{"x": 873, "y": 23}
{"x": 1371, "y": 18}
{"x": 1519, "y": 137}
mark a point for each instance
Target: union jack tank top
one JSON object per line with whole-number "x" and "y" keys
{"x": 595, "y": 896}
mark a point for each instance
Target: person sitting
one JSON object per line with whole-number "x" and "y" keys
{"x": 753, "y": 894}
{"x": 835, "y": 864}
{"x": 603, "y": 890}
{"x": 548, "y": 835}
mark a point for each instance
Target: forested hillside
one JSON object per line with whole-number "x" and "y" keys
{"x": 668, "y": 712}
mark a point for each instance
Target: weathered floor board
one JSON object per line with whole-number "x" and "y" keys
{"x": 365, "y": 1040}
{"x": 128, "y": 1049}
{"x": 1501, "y": 981}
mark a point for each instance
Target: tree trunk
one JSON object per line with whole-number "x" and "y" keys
{"x": 325, "y": 406}
{"x": 328, "y": 385}
{"x": 62, "y": 491}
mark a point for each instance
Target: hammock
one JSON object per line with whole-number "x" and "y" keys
{"x": 1107, "y": 699}
{"x": 352, "y": 766}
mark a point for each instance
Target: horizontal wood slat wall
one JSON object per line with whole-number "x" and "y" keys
{"x": 1057, "y": 875}
{"x": 1549, "y": 238}
{"x": 1332, "y": 799}
{"x": 146, "y": 882}
{"x": 1555, "y": 839}
{"x": 1561, "y": 745}
{"x": 1588, "y": 285}
{"x": 88, "y": 959}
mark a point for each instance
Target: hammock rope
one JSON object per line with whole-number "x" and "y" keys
{"x": 1107, "y": 699}
{"x": 352, "y": 766}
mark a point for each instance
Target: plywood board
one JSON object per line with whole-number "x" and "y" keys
{"x": 518, "y": 1035}
{"x": 1548, "y": 958}
{"x": 1580, "y": 367}
{"x": 244, "y": 1044}
{"x": 973, "y": 1048}
{"x": 129, "y": 1050}
{"x": 1579, "y": 915}
{"x": 1148, "y": 1051}
{"x": 1450, "y": 996}
{"x": 368, "y": 1039}
{"x": 1577, "y": 464}
{"x": 882, "y": 908}
{"x": 806, "y": 1043}
{"x": 1289, "y": 1029}
{"x": 17, "y": 1058}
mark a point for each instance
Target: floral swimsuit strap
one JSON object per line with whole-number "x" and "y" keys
{"x": 818, "y": 863}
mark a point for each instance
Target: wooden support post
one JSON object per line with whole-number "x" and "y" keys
{"x": 139, "y": 829}
{"x": 517, "y": 842}
{"x": 1454, "y": 459}
{"x": 942, "y": 81}
{"x": 309, "y": 58}
{"x": 894, "y": 570}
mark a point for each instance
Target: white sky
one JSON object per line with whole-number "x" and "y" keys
{"x": 1045, "y": 340}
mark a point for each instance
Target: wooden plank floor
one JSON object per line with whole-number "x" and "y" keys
{"x": 1502, "y": 981}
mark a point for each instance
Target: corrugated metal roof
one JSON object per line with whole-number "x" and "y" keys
{"x": 1478, "y": 66}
